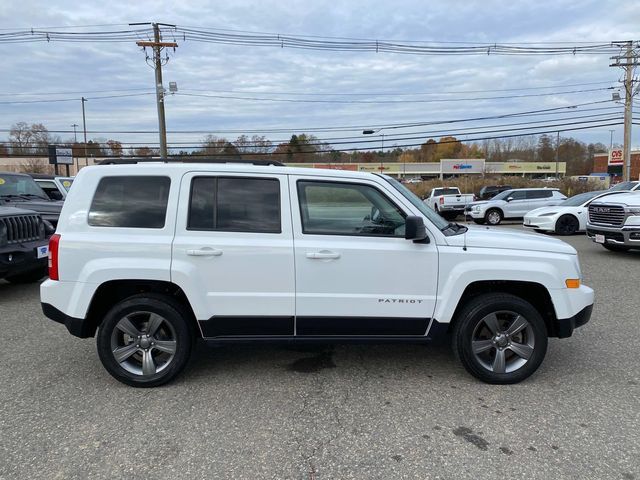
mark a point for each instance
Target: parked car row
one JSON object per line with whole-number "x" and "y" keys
{"x": 28, "y": 218}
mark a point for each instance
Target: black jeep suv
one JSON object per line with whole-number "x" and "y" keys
{"x": 21, "y": 191}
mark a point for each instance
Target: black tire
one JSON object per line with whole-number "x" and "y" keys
{"x": 567, "y": 225}
{"x": 479, "y": 221}
{"x": 490, "y": 217}
{"x": 177, "y": 329}
{"x": 29, "y": 277}
{"x": 615, "y": 248}
{"x": 470, "y": 321}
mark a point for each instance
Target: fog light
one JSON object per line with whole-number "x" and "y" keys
{"x": 572, "y": 282}
{"x": 634, "y": 235}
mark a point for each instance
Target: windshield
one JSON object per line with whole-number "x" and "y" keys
{"x": 623, "y": 186}
{"x": 20, "y": 185}
{"x": 436, "y": 219}
{"x": 579, "y": 199}
{"x": 445, "y": 191}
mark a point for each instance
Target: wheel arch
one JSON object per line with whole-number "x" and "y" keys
{"x": 534, "y": 293}
{"x": 113, "y": 291}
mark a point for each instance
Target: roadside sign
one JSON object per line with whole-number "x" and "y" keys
{"x": 60, "y": 155}
{"x": 616, "y": 157}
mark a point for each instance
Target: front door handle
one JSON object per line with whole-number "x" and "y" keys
{"x": 323, "y": 255}
{"x": 204, "y": 252}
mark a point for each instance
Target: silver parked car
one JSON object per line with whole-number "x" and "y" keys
{"x": 514, "y": 203}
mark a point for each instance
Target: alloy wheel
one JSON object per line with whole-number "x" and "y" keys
{"x": 503, "y": 342}
{"x": 143, "y": 343}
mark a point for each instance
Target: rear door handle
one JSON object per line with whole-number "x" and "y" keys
{"x": 323, "y": 255}
{"x": 204, "y": 252}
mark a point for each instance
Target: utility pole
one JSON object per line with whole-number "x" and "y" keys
{"x": 84, "y": 127}
{"x": 75, "y": 142}
{"x": 629, "y": 62}
{"x": 557, "y": 155}
{"x": 157, "y": 45}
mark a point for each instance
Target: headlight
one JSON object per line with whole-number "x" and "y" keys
{"x": 634, "y": 210}
{"x": 547, "y": 214}
{"x": 475, "y": 208}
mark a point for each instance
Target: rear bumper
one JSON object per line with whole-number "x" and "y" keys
{"x": 77, "y": 327}
{"x": 565, "y": 326}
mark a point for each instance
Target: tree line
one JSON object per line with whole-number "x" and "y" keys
{"x": 32, "y": 140}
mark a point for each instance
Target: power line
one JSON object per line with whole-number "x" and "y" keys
{"x": 314, "y": 94}
{"x": 57, "y": 100}
{"x": 367, "y": 102}
{"x": 523, "y": 131}
{"x": 254, "y": 39}
{"x": 389, "y": 126}
{"x": 474, "y": 130}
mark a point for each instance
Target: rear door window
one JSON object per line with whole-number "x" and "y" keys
{"x": 235, "y": 204}
{"x": 132, "y": 202}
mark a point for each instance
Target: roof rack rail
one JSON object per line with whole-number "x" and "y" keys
{"x": 130, "y": 161}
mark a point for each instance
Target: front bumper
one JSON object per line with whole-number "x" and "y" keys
{"x": 21, "y": 258}
{"x": 623, "y": 236}
{"x": 540, "y": 223}
{"x": 564, "y": 327}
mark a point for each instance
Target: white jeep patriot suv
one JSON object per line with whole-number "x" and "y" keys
{"x": 153, "y": 256}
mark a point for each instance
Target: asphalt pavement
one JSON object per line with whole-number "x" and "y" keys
{"x": 334, "y": 412}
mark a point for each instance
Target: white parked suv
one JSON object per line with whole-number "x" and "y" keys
{"x": 154, "y": 256}
{"x": 514, "y": 203}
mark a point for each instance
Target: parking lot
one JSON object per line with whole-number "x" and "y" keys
{"x": 351, "y": 411}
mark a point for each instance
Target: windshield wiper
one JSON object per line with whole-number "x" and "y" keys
{"x": 12, "y": 195}
{"x": 455, "y": 227}
{"x": 34, "y": 195}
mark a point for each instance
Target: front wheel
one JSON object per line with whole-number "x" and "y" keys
{"x": 145, "y": 340}
{"x": 493, "y": 216}
{"x": 500, "y": 338}
{"x": 567, "y": 225}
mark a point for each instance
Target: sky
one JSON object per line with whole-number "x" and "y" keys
{"x": 36, "y": 71}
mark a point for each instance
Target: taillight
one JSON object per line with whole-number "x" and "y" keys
{"x": 54, "y": 242}
{"x": 441, "y": 200}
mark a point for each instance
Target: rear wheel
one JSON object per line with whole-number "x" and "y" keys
{"x": 567, "y": 225}
{"x": 493, "y": 216}
{"x": 615, "y": 248}
{"x": 145, "y": 340}
{"x": 500, "y": 338}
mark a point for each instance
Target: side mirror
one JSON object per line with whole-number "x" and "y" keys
{"x": 509, "y": 199}
{"x": 415, "y": 230}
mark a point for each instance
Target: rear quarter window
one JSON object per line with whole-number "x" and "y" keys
{"x": 131, "y": 202}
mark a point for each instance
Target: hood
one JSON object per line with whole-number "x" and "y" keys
{"x": 538, "y": 211}
{"x": 631, "y": 199}
{"x": 40, "y": 206}
{"x": 508, "y": 239}
{"x": 479, "y": 202}
{"x": 11, "y": 211}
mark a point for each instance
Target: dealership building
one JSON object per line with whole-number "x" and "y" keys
{"x": 451, "y": 167}
{"x": 442, "y": 169}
